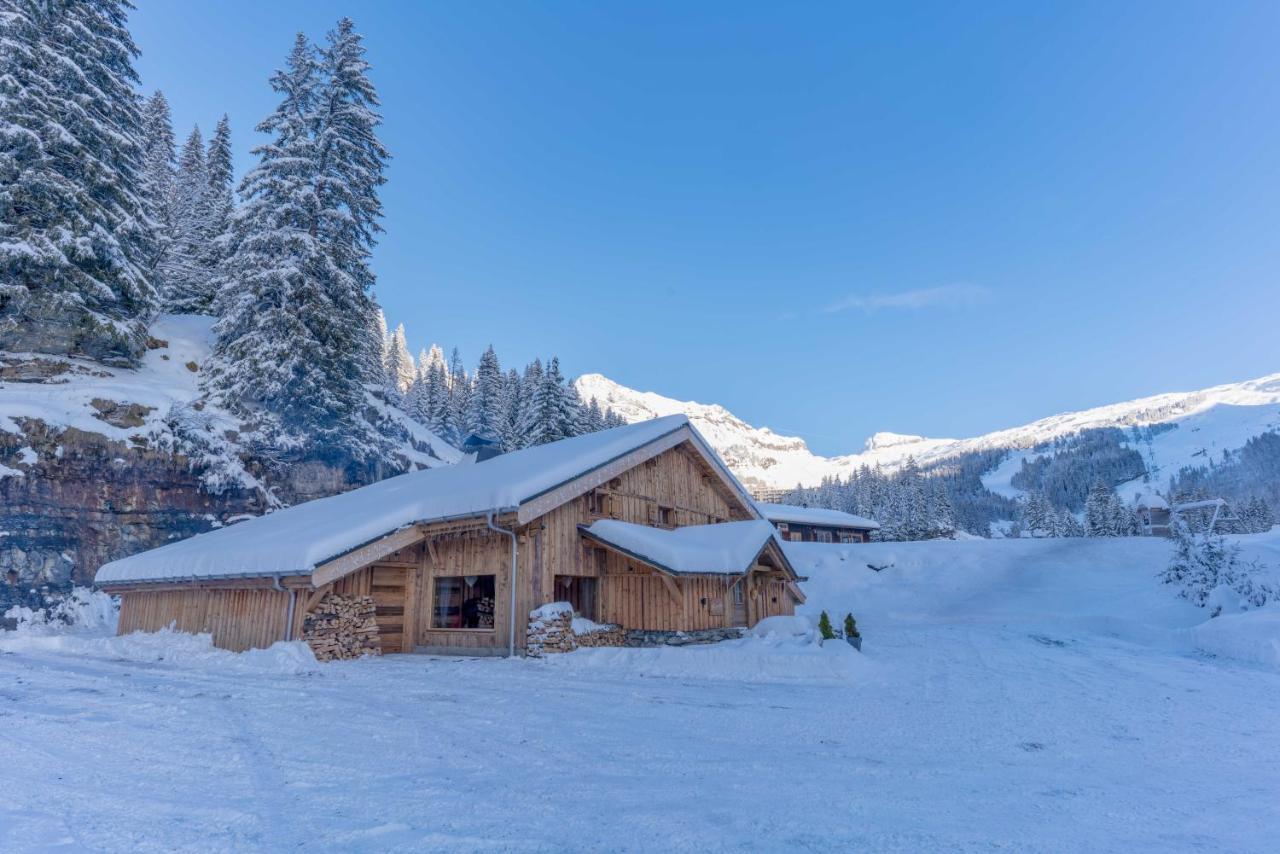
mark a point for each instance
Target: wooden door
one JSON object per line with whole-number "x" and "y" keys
{"x": 389, "y": 586}
{"x": 738, "y": 603}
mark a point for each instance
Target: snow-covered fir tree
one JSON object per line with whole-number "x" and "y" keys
{"x": 159, "y": 167}
{"x": 188, "y": 286}
{"x": 217, "y": 203}
{"x": 459, "y": 398}
{"x": 400, "y": 369}
{"x": 75, "y": 226}
{"x": 292, "y": 348}
{"x": 487, "y": 406}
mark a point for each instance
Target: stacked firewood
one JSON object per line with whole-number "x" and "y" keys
{"x": 605, "y": 635}
{"x": 342, "y": 627}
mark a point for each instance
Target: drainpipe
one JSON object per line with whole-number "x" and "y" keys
{"x": 293, "y": 601}
{"x": 511, "y": 630}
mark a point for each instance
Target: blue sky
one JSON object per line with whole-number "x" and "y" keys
{"x": 833, "y": 219}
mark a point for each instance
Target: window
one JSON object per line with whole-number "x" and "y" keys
{"x": 796, "y": 537}
{"x": 783, "y": 527}
{"x": 822, "y": 536}
{"x": 600, "y": 503}
{"x": 463, "y": 602}
{"x": 739, "y": 596}
{"x": 666, "y": 516}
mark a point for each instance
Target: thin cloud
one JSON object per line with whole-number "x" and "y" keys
{"x": 946, "y": 296}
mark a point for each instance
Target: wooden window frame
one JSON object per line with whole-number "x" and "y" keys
{"x": 435, "y": 592}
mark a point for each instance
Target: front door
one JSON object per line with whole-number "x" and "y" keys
{"x": 388, "y": 589}
{"x": 738, "y": 603}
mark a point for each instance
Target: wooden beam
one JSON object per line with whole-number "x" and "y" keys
{"x": 431, "y": 550}
{"x": 673, "y": 589}
{"x": 331, "y": 571}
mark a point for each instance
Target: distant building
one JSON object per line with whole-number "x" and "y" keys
{"x": 1154, "y": 516}
{"x": 817, "y": 524}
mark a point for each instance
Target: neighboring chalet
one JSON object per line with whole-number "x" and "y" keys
{"x": 1154, "y": 515}
{"x": 641, "y": 526}
{"x": 817, "y": 524}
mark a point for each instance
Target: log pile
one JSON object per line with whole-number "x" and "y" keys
{"x": 341, "y": 628}
{"x": 609, "y": 634}
{"x": 551, "y": 631}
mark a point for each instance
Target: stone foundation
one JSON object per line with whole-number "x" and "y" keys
{"x": 341, "y": 628}
{"x": 646, "y": 637}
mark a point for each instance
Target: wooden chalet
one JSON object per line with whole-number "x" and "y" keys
{"x": 633, "y": 526}
{"x": 798, "y": 524}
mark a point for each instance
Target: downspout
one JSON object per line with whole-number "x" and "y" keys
{"x": 293, "y": 601}
{"x": 511, "y": 629}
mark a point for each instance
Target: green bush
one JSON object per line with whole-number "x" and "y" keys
{"x": 824, "y": 627}
{"x": 850, "y": 626}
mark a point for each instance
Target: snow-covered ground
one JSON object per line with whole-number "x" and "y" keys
{"x": 1046, "y": 695}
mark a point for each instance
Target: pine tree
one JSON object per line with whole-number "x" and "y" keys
{"x": 187, "y": 286}
{"x": 437, "y": 398}
{"x": 512, "y": 400}
{"x": 400, "y": 368}
{"x": 289, "y": 349}
{"x": 158, "y": 174}
{"x": 216, "y": 207}
{"x": 824, "y": 627}
{"x": 75, "y": 230}
{"x": 459, "y": 397}
{"x": 485, "y": 409}
{"x": 1099, "y": 515}
{"x": 544, "y": 418}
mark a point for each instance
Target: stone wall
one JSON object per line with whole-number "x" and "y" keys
{"x": 341, "y": 628}
{"x": 644, "y": 637}
{"x": 82, "y": 499}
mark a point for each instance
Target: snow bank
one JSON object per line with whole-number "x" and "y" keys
{"x": 1252, "y": 636}
{"x": 785, "y": 627}
{"x": 83, "y": 610}
{"x": 778, "y": 658}
{"x": 179, "y": 649}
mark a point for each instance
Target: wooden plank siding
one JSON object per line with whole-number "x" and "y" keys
{"x": 238, "y": 619}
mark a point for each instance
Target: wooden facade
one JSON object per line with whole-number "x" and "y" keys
{"x": 799, "y": 532}
{"x": 427, "y": 579}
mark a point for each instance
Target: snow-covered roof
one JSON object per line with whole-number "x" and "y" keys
{"x": 1150, "y": 501}
{"x": 1199, "y": 505}
{"x": 814, "y": 516}
{"x": 296, "y": 540}
{"x": 728, "y": 548}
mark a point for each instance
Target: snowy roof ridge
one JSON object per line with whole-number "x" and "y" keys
{"x": 297, "y": 539}
{"x": 724, "y": 548}
{"x": 814, "y": 516}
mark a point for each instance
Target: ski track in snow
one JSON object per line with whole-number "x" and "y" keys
{"x": 1006, "y": 701}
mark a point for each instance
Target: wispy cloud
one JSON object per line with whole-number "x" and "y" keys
{"x": 946, "y": 296}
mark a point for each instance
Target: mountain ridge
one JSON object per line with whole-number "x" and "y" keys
{"x": 1218, "y": 418}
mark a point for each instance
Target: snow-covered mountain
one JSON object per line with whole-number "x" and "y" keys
{"x": 1207, "y": 422}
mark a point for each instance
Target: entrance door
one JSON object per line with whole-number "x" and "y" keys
{"x": 388, "y": 587}
{"x": 738, "y": 599}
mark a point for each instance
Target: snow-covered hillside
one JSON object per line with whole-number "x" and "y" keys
{"x": 140, "y": 406}
{"x": 1034, "y": 695}
{"x": 1207, "y": 422}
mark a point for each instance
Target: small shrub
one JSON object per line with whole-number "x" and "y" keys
{"x": 850, "y": 626}
{"x": 824, "y": 627}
